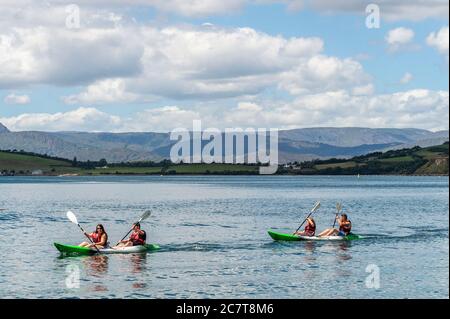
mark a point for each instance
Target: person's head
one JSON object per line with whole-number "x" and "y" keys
{"x": 344, "y": 217}
{"x": 99, "y": 229}
{"x": 137, "y": 226}
{"x": 311, "y": 221}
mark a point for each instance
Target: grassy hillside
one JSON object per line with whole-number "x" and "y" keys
{"x": 22, "y": 164}
{"x": 413, "y": 161}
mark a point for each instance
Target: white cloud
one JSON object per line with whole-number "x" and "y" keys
{"x": 81, "y": 119}
{"x": 415, "y": 108}
{"x": 323, "y": 73}
{"x": 364, "y": 89}
{"x": 399, "y": 37}
{"x": 61, "y": 56}
{"x": 13, "y": 98}
{"x": 104, "y": 91}
{"x": 205, "y": 63}
{"x": 439, "y": 40}
{"x": 131, "y": 61}
{"x": 406, "y": 78}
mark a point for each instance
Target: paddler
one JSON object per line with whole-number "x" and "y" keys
{"x": 345, "y": 227}
{"x": 99, "y": 237}
{"x": 310, "y": 228}
{"x": 138, "y": 237}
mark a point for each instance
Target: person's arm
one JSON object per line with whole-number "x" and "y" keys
{"x": 89, "y": 236}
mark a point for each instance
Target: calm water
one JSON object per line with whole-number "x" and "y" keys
{"x": 212, "y": 231}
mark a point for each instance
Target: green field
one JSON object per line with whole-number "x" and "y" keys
{"x": 335, "y": 165}
{"x": 397, "y": 159}
{"x": 123, "y": 170}
{"x": 21, "y": 164}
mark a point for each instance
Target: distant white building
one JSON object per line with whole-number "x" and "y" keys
{"x": 37, "y": 172}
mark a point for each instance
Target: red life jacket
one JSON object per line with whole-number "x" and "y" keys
{"x": 138, "y": 238}
{"x": 310, "y": 230}
{"x": 346, "y": 228}
{"x": 96, "y": 238}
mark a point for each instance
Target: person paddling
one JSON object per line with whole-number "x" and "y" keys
{"x": 138, "y": 237}
{"x": 99, "y": 237}
{"x": 345, "y": 227}
{"x": 310, "y": 228}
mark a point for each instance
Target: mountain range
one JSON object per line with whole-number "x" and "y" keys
{"x": 294, "y": 145}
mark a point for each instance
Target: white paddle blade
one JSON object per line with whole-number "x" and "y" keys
{"x": 339, "y": 207}
{"x": 316, "y": 207}
{"x": 146, "y": 215}
{"x": 71, "y": 216}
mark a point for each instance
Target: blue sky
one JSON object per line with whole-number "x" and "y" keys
{"x": 160, "y": 65}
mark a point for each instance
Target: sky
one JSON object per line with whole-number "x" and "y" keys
{"x": 157, "y": 65}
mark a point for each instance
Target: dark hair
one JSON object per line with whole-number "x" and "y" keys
{"x": 345, "y": 215}
{"x": 101, "y": 226}
{"x": 138, "y": 225}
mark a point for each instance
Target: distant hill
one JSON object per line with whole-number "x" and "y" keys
{"x": 410, "y": 161}
{"x": 294, "y": 145}
{"x": 3, "y": 129}
{"x": 355, "y": 136}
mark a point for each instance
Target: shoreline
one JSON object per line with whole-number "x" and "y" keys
{"x": 216, "y": 174}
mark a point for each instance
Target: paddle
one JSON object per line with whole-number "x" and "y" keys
{"x": 144, "y": 216}
{"x": 316, "y": 206}
{"x": 338, "y": 208}
{"x": 71, "y": 216}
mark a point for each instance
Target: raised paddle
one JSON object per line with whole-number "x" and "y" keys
{"x": 316, "y": 206}
{"x": 338, "y": 208}
{"x": 71, "y": 216}
{"x": 144, "y": 216}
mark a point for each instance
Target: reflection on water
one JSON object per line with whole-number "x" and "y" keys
{"x": 138, "y": 262}
{"x": 138, "y": 265}
{"x": 96, "y": 265}
{"x": 344, "y": 253}
{"x": 310, "y": 247}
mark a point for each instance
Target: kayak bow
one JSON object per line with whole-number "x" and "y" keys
{"x": 77, "y": 250}
{"x": 290, "y": 237}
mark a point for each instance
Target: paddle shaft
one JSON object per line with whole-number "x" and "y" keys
{"x": 338, "y": 208}
{"x": 335, "y": 218}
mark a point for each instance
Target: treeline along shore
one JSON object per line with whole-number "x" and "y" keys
{"x": 409, "y": 161}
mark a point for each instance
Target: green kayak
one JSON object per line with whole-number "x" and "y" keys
{"x": 77, "y": 250}
{"x": 290, "y": 237}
